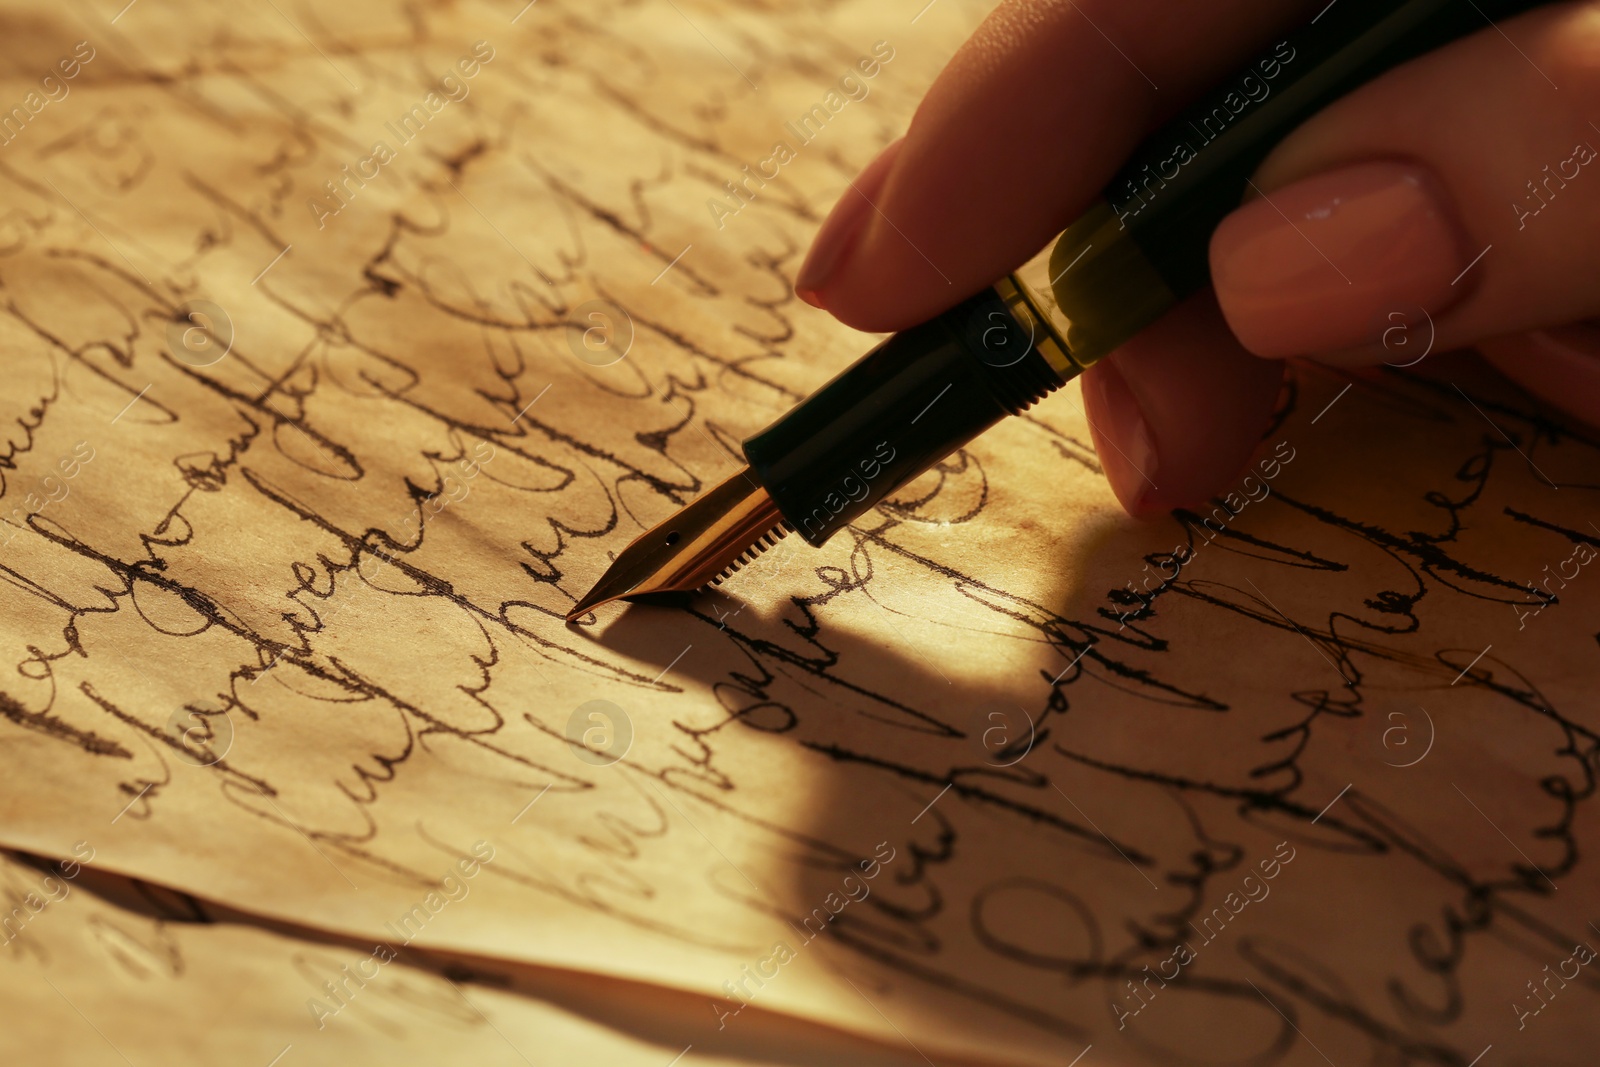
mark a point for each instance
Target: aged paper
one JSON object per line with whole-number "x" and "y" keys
{"x": 112, "y": 971}
{"x": 344, "y": 347}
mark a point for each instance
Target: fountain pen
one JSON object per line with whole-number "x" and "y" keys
{"x": 1140, "y": 248}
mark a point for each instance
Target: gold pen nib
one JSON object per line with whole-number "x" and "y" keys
{"x": 725, "y": 528}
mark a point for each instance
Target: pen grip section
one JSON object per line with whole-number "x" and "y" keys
{"x": 901, "y": 408}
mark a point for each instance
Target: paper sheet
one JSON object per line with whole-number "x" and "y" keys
{"x": 112, "y": 971}
{"x": 299, "y": 496}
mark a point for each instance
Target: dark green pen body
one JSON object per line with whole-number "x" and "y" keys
{"x": 1188, "y": 176}
{"x": 927, "y": 391}
{"x": 895, "y": 412}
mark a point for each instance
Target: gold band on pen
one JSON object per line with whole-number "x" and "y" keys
{"x": 1023, "y": 305}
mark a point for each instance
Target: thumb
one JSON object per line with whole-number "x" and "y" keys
{"x": 1462, "y": 188}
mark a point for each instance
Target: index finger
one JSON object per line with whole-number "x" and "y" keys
{"x": 1014, "y": 139}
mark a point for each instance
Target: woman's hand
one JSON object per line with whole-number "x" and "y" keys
{"x": 1465, "y": 184}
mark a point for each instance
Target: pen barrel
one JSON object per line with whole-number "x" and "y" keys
{"x": 901, "y": 408}
{"x": 927, "y": 391}
{"x": 1146, "y": 244}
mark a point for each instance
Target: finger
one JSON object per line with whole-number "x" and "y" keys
{"x": 1462, "y": 188}
{"x": 1014, "y": 139}
{"x": 1560, "y": 365}
{"x": 847, "y": 216}
{"x": 1176, "y": 412}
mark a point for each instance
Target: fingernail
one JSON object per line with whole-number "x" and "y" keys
{"x": 1122, "y": 439}
{"x": 1312, "y": 266}
{"x": 843, "y": 226}
{"x": 1560, "y": 365}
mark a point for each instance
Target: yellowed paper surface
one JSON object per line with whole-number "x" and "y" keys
{"x": 303, "y": 468}
{"x": 112, "y": 971}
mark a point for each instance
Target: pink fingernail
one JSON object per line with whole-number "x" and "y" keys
{"x": 1561, "y": 365}
{"x": 843, "y": 226}
{"x": 1315, "y": 265}
{"x": 1122, "y": 440}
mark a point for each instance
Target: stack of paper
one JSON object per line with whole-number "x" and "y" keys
{"x": 344, "y": 346}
